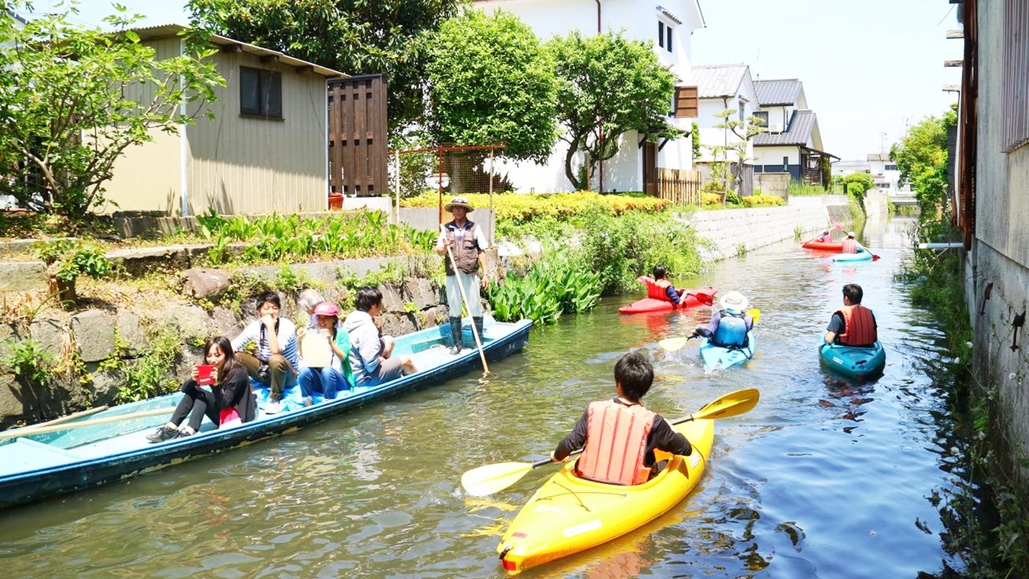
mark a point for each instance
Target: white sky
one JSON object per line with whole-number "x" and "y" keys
{"x": 869, "y": 67}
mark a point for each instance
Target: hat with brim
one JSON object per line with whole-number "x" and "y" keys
{"x": 326, "y": 309}
{"x": 734, "y": 301}
{"x": 851, "y": 234}
{"x": 458, "y": 202}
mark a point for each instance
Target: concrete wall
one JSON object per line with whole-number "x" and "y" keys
{"x": 733, "y": 230}
{"x": 999, "y": 257}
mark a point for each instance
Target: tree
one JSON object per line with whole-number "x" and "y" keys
{"x": 729, "y": 158}
{"x": 608, "y": 85}
{"x": 921, "y": 156}
{"x": 856, "y": 184}
{"x": 73, "y": 99}
{"x": 352, "y": 36}
{"x": 491, "y": 82}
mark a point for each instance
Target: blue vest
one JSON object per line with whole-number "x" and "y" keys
{"x": 732, "y": 330}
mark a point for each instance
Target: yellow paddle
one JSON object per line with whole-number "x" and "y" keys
{"x": 673, "y": 344}
{"x": 486, "y": 480}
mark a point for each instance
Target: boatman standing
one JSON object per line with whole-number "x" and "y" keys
{"x": 853, "y": 324}
{"x": 467, "y": 244}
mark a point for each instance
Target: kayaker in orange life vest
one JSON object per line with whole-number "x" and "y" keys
{"x": 824, "y": 237}
{"x": 660, "y": 288}
{"x": 850, "y": 244}
{"x": 853, "y": 324}
{"x": 620, "y": 435}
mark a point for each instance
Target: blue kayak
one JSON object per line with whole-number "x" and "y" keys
{"x": 853, "y": 362}
{"x": 861, "y": 255}
{"x": 719, "y": 358}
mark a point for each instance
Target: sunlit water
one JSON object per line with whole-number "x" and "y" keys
{"x": 824, "y": 478}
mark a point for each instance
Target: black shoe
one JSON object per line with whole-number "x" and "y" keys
{"x": 455, "y": 349}
{"x": 163, "y": 433}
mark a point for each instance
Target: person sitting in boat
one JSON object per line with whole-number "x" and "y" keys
{"x": 276, "y": 361}
{"x": 824, "y": 237}
{"x": 337, "y": 375}
{"x": 729, "y": 326}
{"x": 853, "y": 324}
{"x": 659, "y": 288}
{"x": 370, "y": 354}
{"x": 230, "y": 401}
{"x": 308, "y": 299}
{"x": 620, "y": 435}
{"x": 850, "y": 244}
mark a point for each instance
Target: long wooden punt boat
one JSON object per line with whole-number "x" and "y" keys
{"x": 102, "y": 448}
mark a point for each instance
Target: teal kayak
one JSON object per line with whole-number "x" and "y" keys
{"x": 853, "y": 362}
{"x": 861, "y": 255}
{"x": 719, "y": 358}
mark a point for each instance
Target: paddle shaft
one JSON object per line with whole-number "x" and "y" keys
{"x": 464, "y": 298}
{"x": 64, "y": 419}
{"x": 58, "y": 427}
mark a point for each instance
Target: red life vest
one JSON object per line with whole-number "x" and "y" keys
{"x": 658, "y": 289}
{"x": 849, "y": 246}
{"x": 859, "y": 328}
{"x": 616, "y": 443}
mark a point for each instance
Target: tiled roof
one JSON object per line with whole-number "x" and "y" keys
{"x": 798, "y": 133}
{"x": 777, "y": 92}
{"x": 718, "y": 80}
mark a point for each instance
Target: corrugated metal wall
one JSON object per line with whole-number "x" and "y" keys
{"x": 253, "y": 165}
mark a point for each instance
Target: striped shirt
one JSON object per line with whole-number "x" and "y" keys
{"x": 287, "y": 335}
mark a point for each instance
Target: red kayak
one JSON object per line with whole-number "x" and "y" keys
{"x": 691, "y": 299}
{"x": 836, "y": 246}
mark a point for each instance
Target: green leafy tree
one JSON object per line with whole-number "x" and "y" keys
{"x": 352, "y": 36}
{"x": 73, "y": 99}
{"x": 608, "y": 85}
{"x": 491, "y": 82}
{"x": 921, "y": 156}
{"x": 856, "y": 184}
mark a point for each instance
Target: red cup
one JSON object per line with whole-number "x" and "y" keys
{"x": 204, "y": 375}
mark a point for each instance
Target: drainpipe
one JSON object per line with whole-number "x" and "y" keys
{"x": 600, "y": 168}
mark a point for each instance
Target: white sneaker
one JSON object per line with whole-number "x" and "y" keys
{"x": 272, "y": 407}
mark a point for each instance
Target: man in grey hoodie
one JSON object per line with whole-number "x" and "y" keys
{"x": 370, "y": 354}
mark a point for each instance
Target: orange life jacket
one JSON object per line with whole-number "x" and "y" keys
{"x": 859, "y": 329}
{"x": 616, "y": 443}
{"x": 658, "y": 289}
{"x": 849, "y": 246}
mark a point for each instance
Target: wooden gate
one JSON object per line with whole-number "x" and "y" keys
{"x": 358, "y": 135}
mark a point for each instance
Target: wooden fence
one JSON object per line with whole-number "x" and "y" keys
{"x": 357, "y": 135}
{"x": 678, "y": 186}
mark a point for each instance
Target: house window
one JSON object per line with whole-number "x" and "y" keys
{"x": 891, "y": 167}
{"x": 763, "y": 116}
{"x": 664, "y": 35}
{"x": 785, "y": 164}
{"x": 743, "y": 107}
{"x": 1015, "y": 84}
{"x": 260, "y": 93}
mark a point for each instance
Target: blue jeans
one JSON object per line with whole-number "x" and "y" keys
{"x": 325, "y": 380}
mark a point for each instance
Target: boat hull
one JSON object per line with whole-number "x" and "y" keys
{"x": 836, "y": 246}
{"x": 862, "y": 255}
{"x": 858, "y": 363}
{"x": 648, "y": 305}
{"x": 568, "y": 514}
{"x": 719, "y": 358}
{"x": 35, "y": 466}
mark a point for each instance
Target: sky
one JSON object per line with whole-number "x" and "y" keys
{"x": 870, "y": 68}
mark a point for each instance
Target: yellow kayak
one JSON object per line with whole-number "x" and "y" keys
{"x": 569, "y": 514}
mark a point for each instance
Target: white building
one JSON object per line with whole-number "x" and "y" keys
{"x": 792, "y": 142}
{"x": 881, "y": 168}
{"x": 724, "y": 87}
{"x": 669, "y": 27}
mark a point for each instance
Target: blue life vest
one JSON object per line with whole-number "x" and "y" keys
{"x": 732, "y": 330}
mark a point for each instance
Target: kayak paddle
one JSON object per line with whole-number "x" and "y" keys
{"x": 491, "y": 478}
{"x": 673, "y": 344}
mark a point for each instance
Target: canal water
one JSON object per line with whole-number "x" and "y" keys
{"x": 824, "y": 478}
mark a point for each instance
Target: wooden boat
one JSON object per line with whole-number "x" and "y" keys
{"x": 861, "y": 255}
{"x": 836, "y": 246}
{"x": 719, "y": 358}
{"x": 104, "y": 447}
{"x": 692, "y": 297}
{"x": 569, "y": 514}
{"x": 854, "y": 362}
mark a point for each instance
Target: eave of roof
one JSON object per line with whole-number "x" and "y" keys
{"x": 172, "y": 30}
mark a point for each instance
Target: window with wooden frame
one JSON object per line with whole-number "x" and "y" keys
{"x": 260, "y": 93}
{"x": 687, "y": 103}
{"x": 1016, "y": 83}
